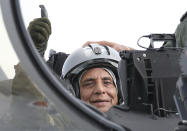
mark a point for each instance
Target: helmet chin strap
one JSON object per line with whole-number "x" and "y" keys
{"x": 113, "y": 77}
{"x": 77, "y": 89}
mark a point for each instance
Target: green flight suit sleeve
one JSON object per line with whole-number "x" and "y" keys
{"x": 180, "y": 33}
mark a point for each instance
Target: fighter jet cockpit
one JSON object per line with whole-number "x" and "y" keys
{"x": 93, "y": 65}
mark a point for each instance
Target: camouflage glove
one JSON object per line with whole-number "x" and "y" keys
{"x": 40, "y": 30}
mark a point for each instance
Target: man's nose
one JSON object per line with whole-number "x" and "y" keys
{"x": 99, "y": 88}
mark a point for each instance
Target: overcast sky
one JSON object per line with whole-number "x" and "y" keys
{"x": 76, "y": 21}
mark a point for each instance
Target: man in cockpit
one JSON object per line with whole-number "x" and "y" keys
{"x": 93, "y": 72}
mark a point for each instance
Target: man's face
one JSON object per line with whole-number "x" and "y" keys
{"x": 97, "y": 88}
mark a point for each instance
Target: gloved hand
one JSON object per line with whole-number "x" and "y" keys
{"x": 40, "y": 30}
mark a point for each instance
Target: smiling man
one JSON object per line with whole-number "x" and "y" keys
{"x": 97, "y": 88}
{"x": 93, "y": 73}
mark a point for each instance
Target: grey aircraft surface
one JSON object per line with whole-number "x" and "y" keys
{"x": 2, "y": 75}
{"x": 153, "y": 87}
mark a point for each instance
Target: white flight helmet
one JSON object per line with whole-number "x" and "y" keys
{"x": 84, "y": 58}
